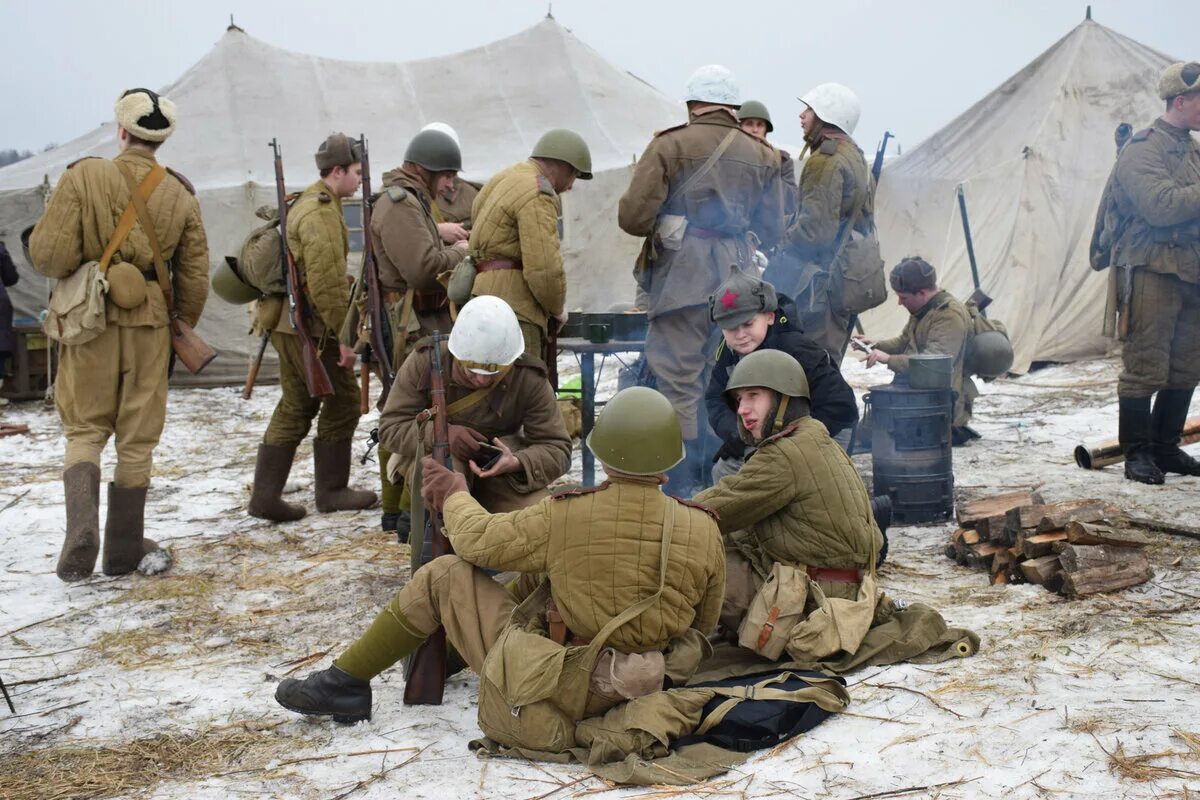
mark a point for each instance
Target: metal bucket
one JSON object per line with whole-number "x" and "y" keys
{"x": 930, "y": 371}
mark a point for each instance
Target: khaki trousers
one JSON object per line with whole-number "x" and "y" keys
{"x": 1162, "y": 350}
{"x": 115, "y": 384}
{"x": 675, "y": 354}
{"x": 296, "y": 409}
{"x": 535, "y": 339}
{"x": 742, "y": 584}
{"x": 459, "y": 597}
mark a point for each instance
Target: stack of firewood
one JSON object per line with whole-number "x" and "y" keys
{"x": 1074, "y": 547}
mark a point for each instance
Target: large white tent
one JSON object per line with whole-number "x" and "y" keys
{"x": 1032, "y": 157}
{"x": 500, "y": 97}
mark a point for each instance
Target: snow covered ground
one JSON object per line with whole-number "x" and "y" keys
{"x": 1092, "y": 698}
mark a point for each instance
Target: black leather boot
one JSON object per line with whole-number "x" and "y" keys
{"x": 328, "y": 693}
{"x": 398, "y": 521}
{"x": 1134, "y": 434}
{"x": 1170, "y": 413}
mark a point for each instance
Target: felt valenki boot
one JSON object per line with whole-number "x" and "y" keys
{"x": 270, "y": 476}
{"x": 331, "y": 467}
{"x": 81, "y": 484}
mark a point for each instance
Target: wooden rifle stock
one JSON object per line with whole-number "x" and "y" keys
{"x": 364, "y": 394}
{"x": 252, "y": 375}
{"x": 426, "y": 679}
{"x": 316, "y": 379}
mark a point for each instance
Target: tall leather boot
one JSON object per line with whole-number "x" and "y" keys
{"x": 81, "y": 484}
{"x": 270, "y": 476}
{"x": 124, "y": 541}
{"x": 331, "y": 465}
{"x": 1170, "y": 414}
{"x": 1134, "y": 434}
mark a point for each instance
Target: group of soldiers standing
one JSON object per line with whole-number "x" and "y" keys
{"x": 711, "y": 197}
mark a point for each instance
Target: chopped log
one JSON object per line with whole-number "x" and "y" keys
{"x": 966, "y": 536}
{"x": 983, "y": 507}
{"x": 1000, "y": 578}
{"x": 1039, "y": 570}
{"x": 1108, "y": 578}
{"x": 991, "y": 529}
{"x": 1075, "y": 557}
{"x": 1085, "y": 533}
{"x": 951, "y": 551}
{"x": 1057, "y": 515}
{"x": 1001, "y": 561}
{"x": 979, "y": 556}
{"x": 1169, "y": 528}
{"x": 1036, "y": 545}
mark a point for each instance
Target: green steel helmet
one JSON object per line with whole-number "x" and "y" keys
{"x": 434, "y": 150}
{"x": 989, "y": 354}
{"x": 230, "y": 287}
{"x": 564, "y": 145}
{"x": 754, "y": 109}
{"x": 637, "y": 433}
{"x": 771, "y": 369}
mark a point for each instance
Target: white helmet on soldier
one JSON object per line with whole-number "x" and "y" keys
{"x": 713, "y": 83}
{"x": 835, "y": 105}
{"x": 443, "y": 128}
{"x": 486, "y": 336}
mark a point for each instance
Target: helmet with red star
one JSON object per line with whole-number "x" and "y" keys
{"x": 739, "y": 298}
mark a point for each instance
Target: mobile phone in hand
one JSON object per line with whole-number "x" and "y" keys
{"x": 486, "y": 457}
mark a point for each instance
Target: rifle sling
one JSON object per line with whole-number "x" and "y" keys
{"x": 143, "y": 213}
{"x": 125, "y": 224}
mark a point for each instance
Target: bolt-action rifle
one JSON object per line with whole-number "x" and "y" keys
{"x": 375, "y": 334}
{"x": 426, "y": 668}
{"x": 316, "y": 379}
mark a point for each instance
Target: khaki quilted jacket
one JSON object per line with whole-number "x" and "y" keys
{"x": 83, "y": 212}
{"x": 600, "y": 549}
{"x": 801, "y": 499}
{"x": 516, "y": 217}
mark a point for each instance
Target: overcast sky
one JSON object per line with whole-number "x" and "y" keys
{"x": 915, "y": 65}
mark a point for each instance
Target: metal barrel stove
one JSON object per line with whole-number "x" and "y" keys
{"x": 911, "y": 454}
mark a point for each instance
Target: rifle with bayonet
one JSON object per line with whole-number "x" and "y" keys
{"x": 374, "y": 334}
{"x": 316, "y": 379}
{"x": 425, "y": 670}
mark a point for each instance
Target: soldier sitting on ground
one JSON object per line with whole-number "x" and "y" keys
{"x": 501, "y": 409}
{"x": 753, "y": 317}
{"x": 940, "y": 324}
{"x": 797, "y": 519}
{"x": 621, "y": 596}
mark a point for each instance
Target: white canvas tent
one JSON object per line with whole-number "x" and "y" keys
{"x": 1032, "y": 157}
{"x": 500, "y": 97}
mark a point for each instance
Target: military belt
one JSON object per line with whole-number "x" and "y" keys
{"x": 493, "y": 264}
{"x": 832, "y": 575}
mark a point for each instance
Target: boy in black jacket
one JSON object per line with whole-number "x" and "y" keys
{"x": 752, "y": 317}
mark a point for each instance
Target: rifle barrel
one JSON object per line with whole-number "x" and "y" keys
{"x": 966, "y": 223}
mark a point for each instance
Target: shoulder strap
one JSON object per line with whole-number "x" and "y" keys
{"x": 143, "y": 213}
{"x": 125, "y": 224}
{"x": 463, "y": 403}
{"x": 705, "y": 167}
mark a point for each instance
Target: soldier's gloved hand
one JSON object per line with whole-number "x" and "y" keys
{"x": 464, "y": 442}
{"x": 438, "y": 483}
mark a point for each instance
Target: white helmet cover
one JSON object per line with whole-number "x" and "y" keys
{"x": 713, "y": 83}
{"x": 486, "y": 336}
{"x": 443, "y": 128}
{"x": 835, "y": 105}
